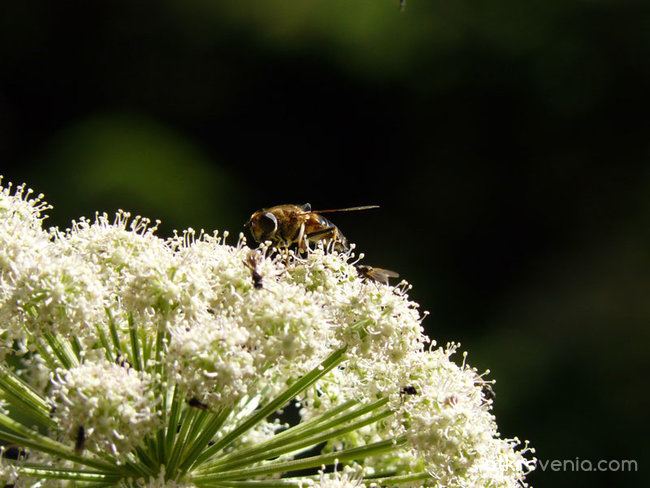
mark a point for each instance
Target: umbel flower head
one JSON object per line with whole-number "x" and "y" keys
{"x": 131, "y": 360}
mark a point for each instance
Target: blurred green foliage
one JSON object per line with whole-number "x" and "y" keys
{"x": 506, "y": 141}
{"x": 120, "y": 160}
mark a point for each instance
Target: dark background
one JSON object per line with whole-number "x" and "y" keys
{"x": 507, "y": 143}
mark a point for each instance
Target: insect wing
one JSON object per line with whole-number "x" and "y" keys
{"x": 380, "y": 275}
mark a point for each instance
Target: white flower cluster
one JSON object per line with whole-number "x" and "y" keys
{"x": 161, "y": 481}
{"x": 104, "y": 407}
{"x": 445, "y": 414}
{"x": 347, "y": 478}
{"x": 126, "y": 323}
{"x": 22, "y": 243}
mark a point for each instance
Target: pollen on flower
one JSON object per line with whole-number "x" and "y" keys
{"x": 114, "y": 405}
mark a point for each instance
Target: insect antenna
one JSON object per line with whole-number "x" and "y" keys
{"x": 349, "y": 209}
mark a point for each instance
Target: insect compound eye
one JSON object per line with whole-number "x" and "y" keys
{"x": 267, "y": 223}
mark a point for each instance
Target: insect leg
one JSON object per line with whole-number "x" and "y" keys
{"x": 326, "y": 233}
{"x": 302, "y": 239}
{"x": 332, "y": 237}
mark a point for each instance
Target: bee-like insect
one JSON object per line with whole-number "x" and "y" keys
{"x": 286, "y": 225}
{"x": 252, "y": 262}
{"x": 379, "y": 275}
{"x": 409, "y": 390}
{"x": 486, "y": 387}
{"x": 122, "y": 361}
{"x": 196, "y": 403}
{"x": 13, "y": 452}
{"x": 80, "y": 440}
{"x": 451, "y": 401}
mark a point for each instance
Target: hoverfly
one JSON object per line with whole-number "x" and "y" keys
{"x": 379, "y": 275}
{"x": 286, "y": 225}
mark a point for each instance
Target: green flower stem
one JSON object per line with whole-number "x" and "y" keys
{"x": 162, "y": 337}
{"x": 134, "y": 468}
{"x": 296, "y": 446}
{"x": 147, "y": 347}
{"x": 147, "y": 464}
{"x": 113, "y": 330}
{"x": 281, "y": 483}
{"x": 62, "y": 351}
{"x": 108, "y": 350}
{"x": 23, "y": 397}
{"x": 148, "y": 452}
{"x": 401, "y": 479}
{"x": 135, "y": 344}
{"x": 172, "y": 422}
{"x": 201, "y": 479}
{"x": 76, "y": 346}
{"x": 312, "y": 437}
{"x": 36, "y": 471}
{"x": 52, "y": 362}
{"x": 196, "y": 430}
{"x": 27, "y": 437}
{"x": 100, "y": 485}
{"x": 182, "y": 438}
{"x": 205, "y": 435}
{"x": 162, "y": 392}
{"x": 310, "y": 378}
{"x": 288, "y": 435}
{"x": 325, "y": 416}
